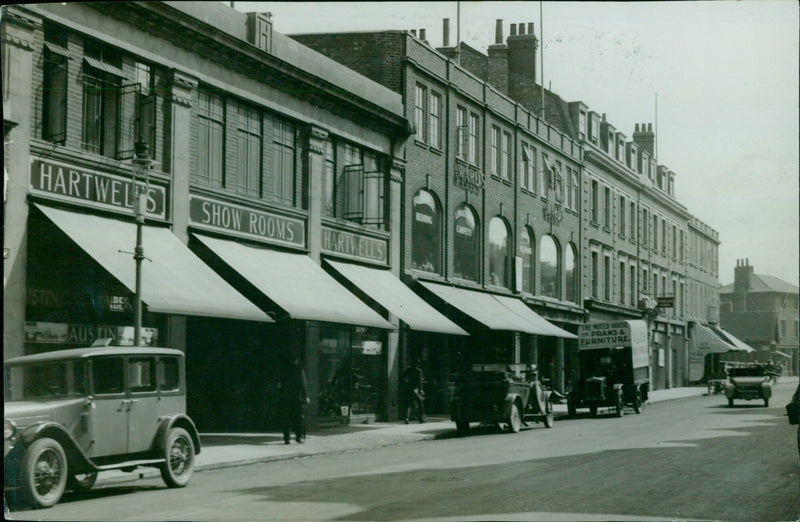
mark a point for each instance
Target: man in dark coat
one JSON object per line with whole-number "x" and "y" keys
{"x": 294, "y": 398}
{"x": 414, "y": 394}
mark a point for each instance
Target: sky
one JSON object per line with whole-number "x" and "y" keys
{"x": 718, "y": 80}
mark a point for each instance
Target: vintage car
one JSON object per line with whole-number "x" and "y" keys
{"x": 749, "y": 381}
{"x": 70, "y": 414}
{"x": 503, "y": 395}
{"x": 613, "y": 361}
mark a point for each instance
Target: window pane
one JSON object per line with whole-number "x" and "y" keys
{"x": 426, "y": 233}
{"x": 548, "y": 257}
{"x": 141, "y": 374}
{"x": 466, "y": 243}
{"x": 498, "y": 252}
{"x": 169, "y": 374}
{"x": 526, "y": 252}
{"x": 108, "y": 375}
{"x": 571, "y": 275}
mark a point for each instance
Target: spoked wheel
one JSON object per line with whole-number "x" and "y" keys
{"x": 620, "y": 406}
{"x": 44, "y": 472}
{"x": 548, "y": 417}
{"x": 81, "y": 481}
{"x": 178, "y": 468}
{"x": 514, "y": 419}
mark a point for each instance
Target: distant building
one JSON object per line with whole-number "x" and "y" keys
{"x": 762, "y": 310}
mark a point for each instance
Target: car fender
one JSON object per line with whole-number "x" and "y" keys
{"x": 511, "y": 398}
{"x": 175, "y": 421}
{"x": 730, "y": 390}
{"x": 766, "y": 390}
{"x": 77, "y": 459}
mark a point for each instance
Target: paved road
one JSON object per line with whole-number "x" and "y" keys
{"x": 684, "y": 459}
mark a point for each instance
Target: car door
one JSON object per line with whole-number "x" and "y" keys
{"x": 110, "y": 410}
{"x": 143, "y": 403}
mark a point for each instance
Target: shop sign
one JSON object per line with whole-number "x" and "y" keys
{"x": 49, "y": 298}
{"x": 83, "y": 334}
{"x": 369, "y": 347}
{"x": 468, "y": 177}
{"x": 354, "y": 246}
{"x": 99, "y": 189}
{"x": 665, "y": 301}
{"x": 246, "y": 222}
{"x": 604, "y": 335}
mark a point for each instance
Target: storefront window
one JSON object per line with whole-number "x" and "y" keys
{"x": 526, "y": 244}
{"x": 499, "y": 253}
{"x": 466, "y": 244}
{"x": 571, "y": 274}
{"x": 426, "y": 233}
{"x": 550, "y": 268}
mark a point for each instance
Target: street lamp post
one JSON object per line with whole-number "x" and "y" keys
{"x": 141, "y": 178}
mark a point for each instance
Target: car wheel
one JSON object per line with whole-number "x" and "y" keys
{"x": 514, "y": 419}
{"x": 766, "y": 402}
{"x": 81, "y": 481}
{"x": 179, "y": 454}
{"x": 44, "y": 472}
{"x": 462, "y": 427}
{"x": 637, "y": 402}
{"x": 620, "y": 406}
{"x": 548, "y": 417}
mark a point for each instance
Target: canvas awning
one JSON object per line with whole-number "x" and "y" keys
{"x": 496, "y": 312}
{"x": 731, "y": 339}
{"x": 295, "y": 283}
{"x": 706, "y": 341}
{"x": 174, "y": 280}
{"x": 385, "y": 288}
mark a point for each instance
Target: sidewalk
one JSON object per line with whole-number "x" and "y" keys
{"x": 222, "y": 450}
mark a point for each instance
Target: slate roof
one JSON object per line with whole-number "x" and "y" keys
{"x": 764, "y": 283}
{"x": 751, "y": 327}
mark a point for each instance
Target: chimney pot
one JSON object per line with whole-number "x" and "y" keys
{"x": 513, "y": 30}
{"x": 521, "y": 29}
{"x": 422, "y": 34}
{"x": 498, "y": 31}
{"x": 414, "y": 32}
{"x": 649, "y": 127}
{"x": 446, "y": 32}
{"x": 530, "y": 27}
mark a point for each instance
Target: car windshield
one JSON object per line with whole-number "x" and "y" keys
{"x": 47, "y": 380}
{"x": 755, "y": 371}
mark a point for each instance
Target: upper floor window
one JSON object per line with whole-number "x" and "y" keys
{"x": 462, "y": 133}
{"x": 595, "y": 201}
{"x": 54, "y": 90}
{"x": 674, "y": 241}
{"x": 329, "y": 177}
{"x": 507, "y": 167}
{"x": 472, "y": 142}
{"x": 655, "y": 232}
{"x": 362, "y": 187}
{"x": 633, "y": 220}
{"x": 595, "y": 274}
{"x": 419, "y": 111}
{"x": 284, "y": 149}
{"x": 571, "y": 274}
{"x": 466, "y": 244}
{"x": 499, "y": 253}
{"x": 248, "y": 153}
{"x": 434, "y": 120}
{"x": 622, "y": 222}
{"x": 210, "y": 137}
{"x": 529, "y": 178}
{"x": 496, "y": 162}
{"x": 632, "y": 283}
{"x": 664, "y": 236}
{"x": 607, "y": 277}
{"x": 526, "y": 251}
{"x": 582, "y": 124}
{"x": 550, "y": 267}
{"x": 426, "y": 233}
{"x": 102, "y": 82}
{"x": 607, "y": 207}
{"x": 573, "y": 189}
{"x": 645, "y": 228}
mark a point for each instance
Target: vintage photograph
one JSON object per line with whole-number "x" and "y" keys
{"x": 440, "y": 261}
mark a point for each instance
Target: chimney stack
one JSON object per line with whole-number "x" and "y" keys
{"x": 414, "y": 33}
{"x": 422, "y": 35}
{"x": 446, "y": 32}
{"x": 646, "y": 139}
{"x": 497, "y": 74}
{"x": 742, "y": 275}
{"x": 522, "y": 47}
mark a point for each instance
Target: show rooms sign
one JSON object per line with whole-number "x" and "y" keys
{"x": 255, "y": 224}
{"x": 77, "y": 184}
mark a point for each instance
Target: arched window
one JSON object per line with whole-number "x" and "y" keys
{"x": 526, "y": 247}
{"x": 571, "y": 274}
{"x": 550, "y": 268}
{"x": 499, "y": 253}
{"x": 426, "y": 233}
{"x": 466, "y": 244}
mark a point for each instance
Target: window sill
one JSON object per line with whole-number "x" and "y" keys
{"x": 594, "y": 224}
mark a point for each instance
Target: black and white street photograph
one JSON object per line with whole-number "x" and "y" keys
{"x": 401, "y": 261}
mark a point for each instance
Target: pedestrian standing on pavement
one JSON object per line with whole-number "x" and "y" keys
{"x": 294, "y": 400}
{"x": 414, "y": 394}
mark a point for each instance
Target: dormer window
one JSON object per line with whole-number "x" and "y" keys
{"x": 582, "y": 124}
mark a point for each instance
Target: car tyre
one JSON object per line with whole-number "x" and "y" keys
{"x": 766, "y": 402}
{"x": 730, "y": 402}
{"x": 638, "y": 405}
{"x": 514, "y": 419}
{"x": 179, "y": 454}
{"x": 81, "y": 481}
{"x": 44, "y": 472}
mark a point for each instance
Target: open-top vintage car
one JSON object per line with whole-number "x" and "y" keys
{"x": 613, "y": 363}
{"x": 70, "y": 414}
{"x": 749, "y": 381}
{"x": 507, "y": 395}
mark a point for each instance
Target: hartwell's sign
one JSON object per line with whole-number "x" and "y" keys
{"x": 354, "y": 245}
{"x": 255, "y": 224}
{"x": 77, "y": 184}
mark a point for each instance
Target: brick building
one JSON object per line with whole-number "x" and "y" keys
{"x": 591, "y": 218}
{"x": 762, "y": 310}
{"x": 275, "y": 181}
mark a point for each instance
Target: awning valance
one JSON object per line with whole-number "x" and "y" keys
{"x": 295, "y": 283}
{"x": 496, "y": 312}
{"x": 174, "y": 280}
{"x": 385, "y": 288}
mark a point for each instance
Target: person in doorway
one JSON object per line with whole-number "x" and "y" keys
{"x": 414, "y": 394}
{"x": 294, "y": 399}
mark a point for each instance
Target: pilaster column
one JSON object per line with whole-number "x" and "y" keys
{"x": 316, "y": 172}
{"x": 392, "y": 377}
{"x": 560, "y": 365}
{"x": 17, "y": 32}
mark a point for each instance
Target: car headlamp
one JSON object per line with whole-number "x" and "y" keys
{"x": 9, "y": 429}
